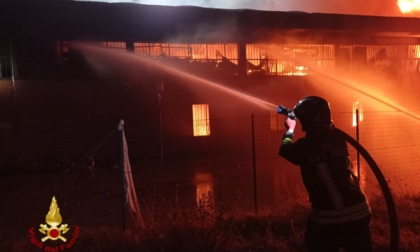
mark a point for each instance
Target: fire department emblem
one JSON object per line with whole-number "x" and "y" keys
{"x": 53, "y": 230}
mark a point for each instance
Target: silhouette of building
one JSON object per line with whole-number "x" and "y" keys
{"x": 47, "y": 84}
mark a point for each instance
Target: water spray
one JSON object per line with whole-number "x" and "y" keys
{"x": 394, "y": 230}
{"x": 390, "y": 204}
{"x": 367, "y": 94}
{"x": 304, "y": 61}
{"x": 174, "y": 71}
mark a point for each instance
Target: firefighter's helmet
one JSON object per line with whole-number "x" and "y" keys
{"x": 313, "y": 112}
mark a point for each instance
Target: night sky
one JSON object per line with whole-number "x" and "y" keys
{"x": 356, "y": 7}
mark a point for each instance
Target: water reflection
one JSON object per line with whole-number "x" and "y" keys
{"x": 204, "y": 190}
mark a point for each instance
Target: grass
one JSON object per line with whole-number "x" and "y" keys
{"x": 203, "y": 230}
{"x": 209, "y": 227}
{"x": 215, "y": 229}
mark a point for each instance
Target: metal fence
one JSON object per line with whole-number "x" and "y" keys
{"x": 239, "y": 161}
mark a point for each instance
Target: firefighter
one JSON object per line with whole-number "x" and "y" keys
{"x": 340, "y": 213}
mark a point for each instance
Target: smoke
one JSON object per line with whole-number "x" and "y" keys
{"x": 113, "y": 61}
{"x": 350, "y": 7}
{"x": 222, "y": 31}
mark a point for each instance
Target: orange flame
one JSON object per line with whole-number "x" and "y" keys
{"x": 407, "y": 6}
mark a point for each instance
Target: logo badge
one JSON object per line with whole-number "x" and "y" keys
{"x": 53, "y": 230}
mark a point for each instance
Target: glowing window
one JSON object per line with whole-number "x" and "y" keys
{"x": 195, "y": 52}
{"x": 413, "y": 64}
{"x": 201, "y": 120}
{"x": 285, "y": 59}
{"x": 115, "y": 45}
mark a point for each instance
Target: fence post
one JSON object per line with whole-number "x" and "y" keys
{"x": 254, "y": 164}
{"x": 122, "y": 161}
{"x": 357, "y": 139}
{"x": 357, "y": 117}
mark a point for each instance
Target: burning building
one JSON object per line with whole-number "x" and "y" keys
{"x": 70, "y": 67}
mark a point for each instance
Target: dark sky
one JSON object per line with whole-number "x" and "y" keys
{"x": 357, "y": 7}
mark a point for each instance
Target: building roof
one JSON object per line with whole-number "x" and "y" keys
{"x": 72, "y": 20}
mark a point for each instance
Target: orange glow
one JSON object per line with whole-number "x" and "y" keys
{"x": 201, "y": 119}
{"x": 276, "y": 122}
{"x": 204, "y": 190}
{"x": 407, "y": 6}
{"x": 195, "y": 52}
{"x": 301, "y": 70}
{"x": 114, "y": 45}
{"x": 357, "y": 106}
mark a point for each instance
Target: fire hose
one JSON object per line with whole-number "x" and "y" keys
{"x": 392, "y": 212}
{"x": 389, "y": 201}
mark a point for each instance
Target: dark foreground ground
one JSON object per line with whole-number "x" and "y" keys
{"x": 91, "y": 205}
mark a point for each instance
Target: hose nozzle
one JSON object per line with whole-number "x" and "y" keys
{"x": 287, "y": 112}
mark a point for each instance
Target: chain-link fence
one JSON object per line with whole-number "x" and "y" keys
{"x": 239, "y": 160}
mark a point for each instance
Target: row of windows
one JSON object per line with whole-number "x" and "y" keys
{"x": 201, "y": 120}
{"x": 257, "y": 59}
{"x": 194, "y": 52}
{"x": 285, "y": 59}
